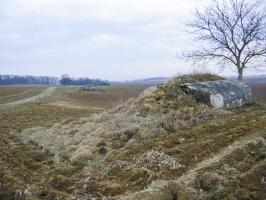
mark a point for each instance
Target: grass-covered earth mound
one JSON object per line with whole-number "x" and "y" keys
{"x": 159, "y": 110}
{"x": 162, "y": 145}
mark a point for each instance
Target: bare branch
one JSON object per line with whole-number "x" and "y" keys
{"x": 232, "y": 33}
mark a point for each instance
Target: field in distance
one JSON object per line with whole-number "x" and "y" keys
{"x": 259, "y": 92}
{"x": 63, "y": 103}
{"x": 14, "y": 93}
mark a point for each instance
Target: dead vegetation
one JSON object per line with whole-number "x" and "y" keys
{"x": 162, "y": 110}
{"x": 14, "y": 93}
{"x": 26, "y": 172}
{"x": 216, "y": 161}
{"x": 160, "y": 145}
{"x": 95, "y": 142}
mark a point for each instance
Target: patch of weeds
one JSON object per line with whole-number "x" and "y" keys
{"x": 207, "y": 182}
{"x": 96, "y": 164}
{"x": 33, "y": 143}
{"x": 120, "y": 139}
{"x": 131, "y": 133}
{"x": 102, "y": 148}
{"x": 212, "y": 193}
{"x": 73, "y": 131}
{"x": 80, "y": 163}
{"x": 64, "y": 156}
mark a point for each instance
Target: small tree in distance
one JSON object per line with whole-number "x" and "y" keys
{"x": 65, "y": 80}
{"x": 232, "y": 33}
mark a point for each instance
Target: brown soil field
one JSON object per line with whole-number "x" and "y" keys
{"x": 107, "y": 97}
{"x": 14, "y": 93}
{"x": 23, "y": 166}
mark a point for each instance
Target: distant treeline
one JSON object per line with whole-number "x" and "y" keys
{"x": 66, "y": 80}
{"x": 46, "y": 80}
{"x": 32, "y": 80}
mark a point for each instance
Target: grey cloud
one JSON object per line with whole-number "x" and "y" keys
{"x": 111, "y": 39}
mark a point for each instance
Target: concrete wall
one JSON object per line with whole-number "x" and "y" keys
{"x": 220, "y": 94}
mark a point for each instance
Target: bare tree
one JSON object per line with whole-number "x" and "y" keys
{"x": 232, "y": 33}
{"x": 65, "y": 80}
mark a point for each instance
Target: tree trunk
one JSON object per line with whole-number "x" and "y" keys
{"x": 240, "y": 75}
{"x": 239, "y": 69}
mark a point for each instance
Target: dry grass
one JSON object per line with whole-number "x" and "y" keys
{"x": 26, "y": 172}
{"x": 163, "y": 110}
{"x": 88, "y": 142}
{"x": 14, "y": 93}
{"x": 236, "y": 142}
{"x": 65, "y": 104}
{"x": 155, "y": 141}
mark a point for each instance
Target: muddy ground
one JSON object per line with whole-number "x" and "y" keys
{"x": 27, "y": 172}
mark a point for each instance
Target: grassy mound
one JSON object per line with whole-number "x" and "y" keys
{"x": 163, "y": 145}
{"x": 159, "y": 110}
{"x": 120, "y": 150}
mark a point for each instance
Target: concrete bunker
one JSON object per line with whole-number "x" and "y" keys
{"x": 220, "y": 94}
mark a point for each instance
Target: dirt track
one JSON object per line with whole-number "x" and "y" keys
{"x": 45, "y": 93}
{"x": 24, "y": 169}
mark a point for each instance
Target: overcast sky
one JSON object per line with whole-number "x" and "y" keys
{"x": 108, "y": 39}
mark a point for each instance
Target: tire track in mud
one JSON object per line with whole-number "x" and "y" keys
{"x": 43, "y": 94}
{"x": 26, "y": 172}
